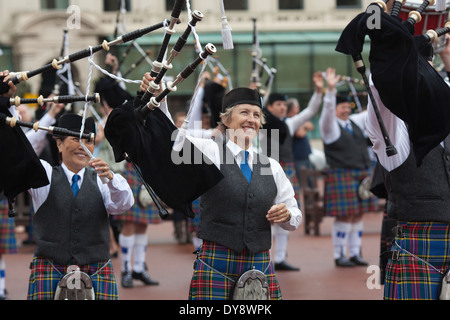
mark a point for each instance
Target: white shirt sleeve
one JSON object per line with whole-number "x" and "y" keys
{"x": 285, "y": 194}
{"x": 117, "y": 195}
{"x": 299, "y": 119}
{"x": 328, "y": 125}
{"x": 395, "y": 128}
{"x": 196, "y": 110}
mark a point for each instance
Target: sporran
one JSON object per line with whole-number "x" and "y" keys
{"x": 75, "y": 285}
{"x": 251, "y": 285}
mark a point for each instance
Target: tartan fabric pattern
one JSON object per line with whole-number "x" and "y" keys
{"x": 44, "y": 279}
{"x": 208, "y": 284}
{"x": 289, "y": 170}
{"x": 8, "y": 244}
{"x": 409, "y": 278}
{"x": 137, "y": 214}
{"x": 194, "y": 222}
{"x": 341, "y": 193}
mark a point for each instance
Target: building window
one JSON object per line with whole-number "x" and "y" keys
{"x": 54, "y": 4}
{"x": 344, "y": 4}
{"x": 236, "y": 5}
{"x": 115, "y": 5}
{"x": 290, "y": 4}
{"x": 170, "y": 3}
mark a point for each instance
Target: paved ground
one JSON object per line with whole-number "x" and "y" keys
{"x": 171, "y": 264}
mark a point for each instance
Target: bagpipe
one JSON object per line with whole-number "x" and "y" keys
{"x": 141, "y": 133}
{"x": 105, "y": 45}
{"x": 57, "y": 131}
{"x": 56, "y": 99}
{"x": 260, "y": 67}
{"x": 400, "y": 68}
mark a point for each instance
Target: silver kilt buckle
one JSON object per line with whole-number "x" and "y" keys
{"x": 75, "y": 285}
{"x": 251, "y": 285}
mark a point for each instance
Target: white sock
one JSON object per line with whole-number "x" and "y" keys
{"x": 354, "y": 239}
{"x": 340, "y": 232}
{"x": 2, "y": 277}
{"x": 126, "y": 244}
{"x": 140, "y": 245}
{"x": 197, "y": 242}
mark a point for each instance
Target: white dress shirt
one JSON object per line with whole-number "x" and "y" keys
{"x": 285, "y": 191}
{"x": 329, "y": 123}
{"x": 295, "y": 122}
{"x": 117, "y": 195}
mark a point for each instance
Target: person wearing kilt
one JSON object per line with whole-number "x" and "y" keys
{"x": 8, "y": 244}
{"x": 281, "y": 148}
{"x": 346, "y": 152}
{"x": 133, "y": 236}
{"x": 70, "y": 224}
{"x": 417, "y": 200}
{"x": 236, "y": 214}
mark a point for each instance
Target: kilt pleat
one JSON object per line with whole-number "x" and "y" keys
{"x": 341, "y": 193}
{"x": 44, "y": 279}
{"x": 408, "y": 278}
{"x": 217, "y": 268}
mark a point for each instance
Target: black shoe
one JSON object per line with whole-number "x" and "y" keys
{"x": 3, "y": 297}
{"x": 358, "y": 261}
{"x": 343, "y": 262}
{"x": 144, "y": 277}
{"x": 284, "y": 266}
{"x": 127, "y": 280}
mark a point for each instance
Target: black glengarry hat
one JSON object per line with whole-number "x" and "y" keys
{"x": 241, "y": 95}
{"x": 341, "y": 98}
{"x": 276, "y": 97}
{"x": 72, "y": 122}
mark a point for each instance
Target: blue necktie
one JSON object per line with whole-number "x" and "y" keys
{"x": 75, "y": 187}
{"x": 246, "y": 168}
{"x": 349, "y": 128}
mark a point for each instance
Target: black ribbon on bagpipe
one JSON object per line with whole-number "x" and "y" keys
{"x": 407, "y": 84}
{"x": 20, "y": 167}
